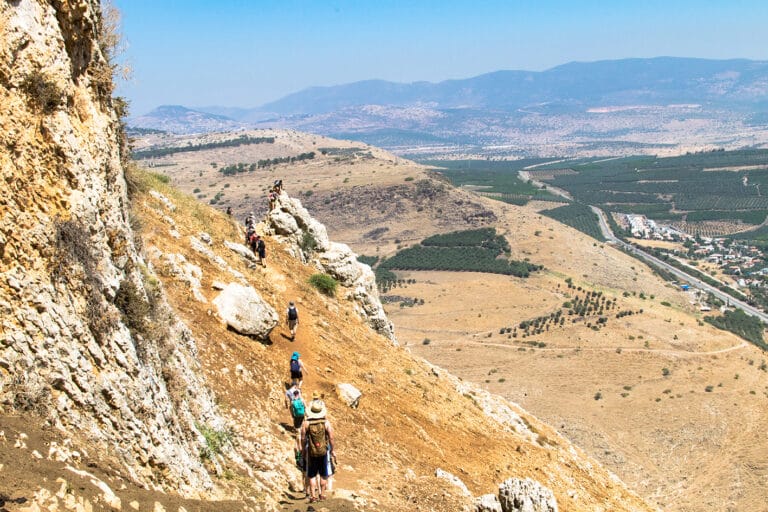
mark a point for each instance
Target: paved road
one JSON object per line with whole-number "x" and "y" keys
{"x": 750, "y": 310}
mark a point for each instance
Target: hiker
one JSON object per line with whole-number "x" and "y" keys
{"x": 272, "y": 197}
{"x": 297, "y": 409}
{"x": 289, "y": 395}
{"x": 250, "y": 220}
{"x": 292, "y": 316}
{"x": 317, "y": 437}
{"x": 297, "y": 370}
{"x": 278, "y": 188}
{"x": 253, "y": 241}
{"x": 261, "y": 248}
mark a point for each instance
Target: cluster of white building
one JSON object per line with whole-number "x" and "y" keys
{"x": 642, "y": 227}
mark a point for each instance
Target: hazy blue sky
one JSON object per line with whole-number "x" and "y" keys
{"x": 248, "y": 52}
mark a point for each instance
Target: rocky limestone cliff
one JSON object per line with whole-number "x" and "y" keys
{"x": 87, "y": 341}
{"x": 291, "y": 223}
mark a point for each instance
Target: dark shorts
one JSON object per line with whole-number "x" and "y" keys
{"x": 318, "y": 465}
{"x": 297, "y": 421}
{"x": 297, "y": 375}
{"x": 262, "y": 253}
{"x": 293, "y": 323}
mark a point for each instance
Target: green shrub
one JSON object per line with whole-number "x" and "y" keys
{"x": 215, "y": 441}
{"x": 324, "y": 283}
{"x": 308, "y": 243}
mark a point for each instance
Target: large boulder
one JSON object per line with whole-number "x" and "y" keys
{"x": 349, "y": 394}
{"x": 242, "y": 309}
{"x": 526, "y": 495}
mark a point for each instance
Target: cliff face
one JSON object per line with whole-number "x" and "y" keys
{"x": 83, "y": 334}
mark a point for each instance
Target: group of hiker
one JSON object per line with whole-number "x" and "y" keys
{"x": 274, "y": 192}
{"x": 314, "y": 435}
{"x": 254, "y": 240}
{"x": 314, "y": 440}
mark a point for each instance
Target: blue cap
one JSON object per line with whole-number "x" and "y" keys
{"x": 295, "y": 355}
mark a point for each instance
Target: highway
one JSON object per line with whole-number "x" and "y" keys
{"x": 608, "y": 234}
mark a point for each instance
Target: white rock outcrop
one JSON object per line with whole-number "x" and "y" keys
{"x": 243, "y": 310}
{"x": 290, "y": 222}
{"x": 453, "y": 480}
{"x": 526, "y": 495}
{"x": 349, "y": 394}
{"x": 487, "y": 503}
{"x": 87, "y": 339}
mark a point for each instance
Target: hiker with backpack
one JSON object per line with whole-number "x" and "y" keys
{"x": 253, "y": 241}
{"x": 297, "y": 409}
{"x": 297, "y": 370}
{"x": 261, "y": 248}
{"x": 292, "y": 316}
{"x": 317, "y": 438}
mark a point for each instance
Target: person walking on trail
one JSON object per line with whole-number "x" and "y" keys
{"x": 292, "y": 315}
{"x": 317, "y": 437}
{"x": 297, "y": 369}
{"x": 261, "y": 248}
{"x": 298, "y": 409}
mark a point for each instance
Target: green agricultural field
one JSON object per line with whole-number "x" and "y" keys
{"x": 726, "y": 186}
{"x": 578, "y": 216}
{"x": 479, "y": 250}
{"x": 495, "y": 179}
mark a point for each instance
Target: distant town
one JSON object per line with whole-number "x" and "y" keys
{"x": 735, "y": 263}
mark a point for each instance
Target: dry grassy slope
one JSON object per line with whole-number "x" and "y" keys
{"x": 352, "y": 195}
{"x": 410, "y": 421}
{"x": 677, "y": 444}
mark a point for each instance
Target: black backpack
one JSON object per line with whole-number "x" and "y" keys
{"x": 292, "y": 313}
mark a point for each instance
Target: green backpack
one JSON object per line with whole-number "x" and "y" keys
{"x": 318, "y": 439}
{"x": 297, "y": 408}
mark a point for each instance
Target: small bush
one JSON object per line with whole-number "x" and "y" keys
{"x": 324, "y": 283}
{"x": 215, "y": 441}
{"x": 426, "y": 341}
{"x": 308, "y": 243}
{"x": 665, "y": 303}
{"x": 598, "y": 396}
{"x": 709, "y": 389}
{"x": 665, "y": 371}
{"x": 43, "y": 94}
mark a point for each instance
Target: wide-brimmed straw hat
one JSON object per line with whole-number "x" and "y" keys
{"x": 316, "y": 410}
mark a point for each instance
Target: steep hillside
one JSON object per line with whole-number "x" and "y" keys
{"x": 128, "y": 381}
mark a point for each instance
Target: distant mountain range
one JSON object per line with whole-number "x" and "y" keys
{"x": 492, "y": 108}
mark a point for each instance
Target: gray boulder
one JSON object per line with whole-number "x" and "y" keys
{"x": 487, "y": 503}
{"x": 526, "y": 495}
{"x": 242, "y": 309}
{"x": 349, "y": 394}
